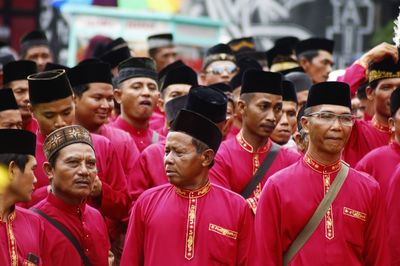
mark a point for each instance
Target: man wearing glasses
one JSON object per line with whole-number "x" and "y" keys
{"x": 219, "y": 65}
{"x": 352, "y": 229}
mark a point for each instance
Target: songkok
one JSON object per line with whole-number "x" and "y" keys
{"x": 179, "y": 75}
{"x": 160, "y": 40}
{"x": 241, "y": 45}
{"x": 222, "y": 87}
{"x": 394, "y": 102}
{"x": 261, "y": 81}
{"x": 49, "y": 86}
{"x": 18, "y": 70}
{"x": 5, "y": 58}
{"x": 7, "y": 100}
{"x": 208, "y": 102}
{"x": 54, "y": 66}
{"x": 301, "y": 81}
{"x": 135, "y": 67}
{"x": 63, "y": 137}
{"x": 163, "y": 72}
{"x": 90, "y": 71}
{"x": 287, "y": 41}
{"x": 219, "y": 52}
{"x": 173, "y": 106}
{"x": 199, "y": 127}
{"x": 315, "y": 44}
{"x": 117, "y": 51}
{"x": 298, "y": 118}
{"x": 33, "y": 38}
{"x": 244, "y": 64}
{"x": 17, "y": 141}
{"x": 386, "y": 69}
{"x": 330, "y": 92}
{"x": 288, "y": 91}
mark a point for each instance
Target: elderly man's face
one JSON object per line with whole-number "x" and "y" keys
{"x": 41, "y": 55}
{"x": 10, "y": 119}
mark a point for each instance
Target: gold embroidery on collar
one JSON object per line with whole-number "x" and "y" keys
{"x": 320, "y": 168}
{"x": 194, "y": 194}
{"x": 247, "y": 147}
{"x": 222, "y": 231}
{"x": 355, "y": 214}
{"x": 379, "y": 126}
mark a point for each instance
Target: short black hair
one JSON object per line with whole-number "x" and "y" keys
{"x": 19, "y": 159}
{"x": 52, "y": 160}
{"x": 80, "y": 89}
{"x": 308, "y": 55}
{"x": 247, "y": 97}
{"x": 200, "y": 148}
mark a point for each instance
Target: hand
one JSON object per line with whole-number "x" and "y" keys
{"x": 97, "y": 185}
{"x": 377, "y": 54}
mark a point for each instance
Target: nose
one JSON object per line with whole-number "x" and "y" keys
{"x": 34, "y": 179}
{"x": 104, "y": 103}
{"x": 60, "y": 122}
{"x": 83, "y": 169}
{"x": 284, "y": 119}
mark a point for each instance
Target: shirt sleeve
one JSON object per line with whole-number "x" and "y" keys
{"x": 354, "y": 76}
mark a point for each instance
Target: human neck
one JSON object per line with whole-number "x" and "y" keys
{"x": 136, "y": 123}
{"x": 382, "y": 120}
{"x": 192, "y": 187}
{"x": 6, "y": 202}
{"x": 322, "y": 157}
{"x": 67, "y": 198}
{"x": 254, "y": 140}
{"x": 93, "y": 128}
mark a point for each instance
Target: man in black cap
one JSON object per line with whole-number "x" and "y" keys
{"x": 35, "y": 46}
{"x": 10, "y": 117}
{"x": 353, "y": 226}
{"x": 239, "y": 158}
{"x": 71, "y": 168}
{"x": 286, "y": 126}
{"x": 116, "y": 52}
{"x": 315, "y": 57}
{"x": 211, "y": 225}
{"x": 162, "y": 50}
{"x": 282, "y": 58}
{"x": 52, "y": 103}
{"x": 302, "y": 84}
{"x": 138, "y": 94}
{"x": 22, "y": 234}
{"x": 15, "y": 77}
{"x": 219, "y": 65}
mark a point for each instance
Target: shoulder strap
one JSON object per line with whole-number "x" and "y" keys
{"x": 66, "y": 233}
{"x": 258, "y": 176}
{"x": 319, "y": 213}
{"x": 154, "y": 137}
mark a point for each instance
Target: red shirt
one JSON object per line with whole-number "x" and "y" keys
{"x": 157, "y": 121}
{"x": 236, "y": 162}
{"x": 169, "y": 226}
{"x": 354, "y": 76}
{"x": 142, "y": 137}
{"x": 353, "y": 231}
{"x": 380, "y": 163}
{"x": 84, "y": 222}
{"x": 232, "y": 133}
{"x": 32, "y": 126}
{"x": 21, "y": 234}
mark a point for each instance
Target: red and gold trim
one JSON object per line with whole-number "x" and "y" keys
{"x": 194, "y": 194}
{"x": 379, "y": 126}
{"x": 320, "y": 168}
{"x": 355, "y": 214}
{"x": 329, "y": 227}
{"x": 12, "y": 245}
{"x": 247, "y": 147}
{"x": 222, "y": 231}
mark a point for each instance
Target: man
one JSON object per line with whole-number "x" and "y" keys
{"x": 34, "y": 46}
{"x": 286, "y": 126}
{"x": 177, "y": 82}
{"x": 240, "y": 157}
{"x": 219, "y": 65}
{"x": 353, "y": 230}
{"x": 10, "y": 116}
{"x": 388, "y": 156}
{"x": 205, "y": 101}
{"x": 15, "y": 77}
{"x": 52, "y": 104}
{"x": 281, "y": 57}
{"x": 384, "y": 77}
{"x": 302, "y": 84}
{"x": 22, "y": 235}
{"x": 189, "y": 221}
{"x": 162, "y": 50}
{"x": 115, "y": 52}
{"x": 315, "y": 57}
{"x": 71, "y": 167}
{"x": 137, "y": 93}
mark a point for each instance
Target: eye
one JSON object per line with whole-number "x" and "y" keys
{"x": 327, "y": 116}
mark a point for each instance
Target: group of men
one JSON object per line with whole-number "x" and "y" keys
{"x": 257, "y": 159}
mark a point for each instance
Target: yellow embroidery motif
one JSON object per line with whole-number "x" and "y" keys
{"x": 222, "y": 231}
{"x": 329, "y": 228}
{"x": 355, "y": 214}
{"x": 190, "y": 229}
{"x": 381, "y": 74}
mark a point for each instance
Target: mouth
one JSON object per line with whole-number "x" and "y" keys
{"x": 268, "y": 128}
{"x": 170, "y": 173}
{"x": 145, "y": 103}
{"x": 82, "y": 183}
{"x": 102, "y": 115}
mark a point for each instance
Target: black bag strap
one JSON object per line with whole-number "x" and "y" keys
{"x": 67, "y": 234}
{"x": 258, "y": 176}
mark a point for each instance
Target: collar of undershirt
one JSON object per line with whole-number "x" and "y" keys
{"x": 194, "y": 194}
{"x": 319, "y": 167}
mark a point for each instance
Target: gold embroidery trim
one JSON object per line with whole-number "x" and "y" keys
{"x": 355, "y": 214}
{"x": 380, "y": 74}
{"x": 194, "y": 193}
{"x": 190, "y": 229}
{"x": 329, "y": 227}
{"x": 222, "y": 231}
{"x": 12, "y": 246}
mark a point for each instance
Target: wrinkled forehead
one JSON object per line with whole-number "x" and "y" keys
{"x": 338, "y": 109}
{"x": 176, "y": 138}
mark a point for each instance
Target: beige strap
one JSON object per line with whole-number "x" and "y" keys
{"x": 319, "y": 213}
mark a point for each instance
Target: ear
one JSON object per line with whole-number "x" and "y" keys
{"x": 304, "y": 63}
{"x": 48, "y": 170}
{"x": 305, "y": 123}
{"x": 12, "y": 170}
{"x": 160, "y": 104}
{"x": 202, "y": 78}
{"x": 370, "y": 93}
{"x": 208, "y": 157}
{"x": 117, "y": 95}
{"x": 391, "y": 124}
{"x": 241, "y": 107}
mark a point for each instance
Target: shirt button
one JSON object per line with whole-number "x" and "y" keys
{"x": 87, "y": 250}
{"x": 87, "y": 236}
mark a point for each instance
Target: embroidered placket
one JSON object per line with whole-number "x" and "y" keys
{"x": 190, "y": 229}
{"x": 329, "y": 227}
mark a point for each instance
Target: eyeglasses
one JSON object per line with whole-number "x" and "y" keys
{"x": 330, "y": 118}
{"x": 218, "y": 70}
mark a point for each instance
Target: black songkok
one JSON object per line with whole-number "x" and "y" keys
{"x": 288, "y": 91}
{"x": 330, "y": 92}
{"x": 17, "y": 141}
{"x": 160, "y": 40}
{"x": 7, "y": 100}
{"x": 18, "y": 70}
{"x": 301, "y": 81}
{"x": 173, "y": 106}
{"x": 135, "y": 67}
{"x": 261, "y": 81}
{"x": 179, "y": 75}
{"x": 33, "y": 38}
{"x": 117, "y": 51}
{"x": 219, "y": 52}
{"x": 90, "y": 71}
{"x": 199, "y": 127}
{"x": 222, "y": 87}
{"x": 312, "y": 44}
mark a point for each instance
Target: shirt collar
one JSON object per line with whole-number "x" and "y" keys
{"x": 246, "y": 146}
{"x": 379, "y": 126}
{"x": 11, "y": 216}
{"x": 194, "y": 194}
{"x": 59, "y": 204}
{"x": 319, "y": 167}
{"x": 129, "y": 128}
